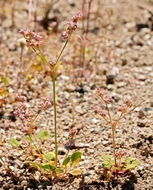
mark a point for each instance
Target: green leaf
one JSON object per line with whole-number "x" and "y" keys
{"x": 133, "y": 164}
{"x": 14, "y": 142}
{"x": 43, "y": 135}
{"x": 59, "y": 170}
{"x": 106, "y": 164}
{"x": 4, "y": 80}
{"x": 129, "y": 159}
{"x": 48, "y": 156}
{"x": 27, "y": 138}
{"x": 43, "y": 166}
{"x": 66, "y": 161}
{"x": 48, "y": 167}
{"x": 75, "y": 156}
{"x": 35, "y": 164}
{"x": 106, "y": 157}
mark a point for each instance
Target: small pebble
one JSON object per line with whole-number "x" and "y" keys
{"x": 61, "y": 151}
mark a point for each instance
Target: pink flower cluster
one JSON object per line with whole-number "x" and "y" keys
{"x": 100, "y": 112}
{"x": 121, "y": 153}
{"x": 52, "y": 63}
{"x": 106, "y": 99}
{"x": 128, "y": 102}
{"x": 21, "y": 111}
{"x": 123, "y": 109}
{"x": 72, "y": 132}
{"x": 45, "y": 104}
{"x": 72, "y": 26}
{"x": 32, "y": 39}
{"x": 20, "y": 98}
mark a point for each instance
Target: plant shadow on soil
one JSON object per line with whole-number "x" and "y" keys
{"x": 123, "y": 184}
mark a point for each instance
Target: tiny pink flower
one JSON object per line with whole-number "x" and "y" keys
{"x": 96, "y": 109}
{"x": 72, "y": 132}
{"x": 47, "y": 104}
{"x": 29, "y": 114}
{"x": 99, "y": 91}
{"x": 22, "y": 32}
{"x": 65, "y": 35}
{"x": 102, "y": 113}
{"x": 52, "y": 63}
{"x": 22, "y": 106}
{"x": 32, "y": 38}
{"x": 128, "y": 102}
{"x": 25, "y": 130}
{"x": 17, "y": 112}
{"x": 18, "y": 97}
{"x": 107, "y": 99}
{"x": 22, "y": 117}
{"x": 122, "y": 109}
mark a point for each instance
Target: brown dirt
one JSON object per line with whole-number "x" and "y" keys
{"x": 117, "y": 48}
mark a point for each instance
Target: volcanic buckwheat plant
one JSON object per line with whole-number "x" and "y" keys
{"x": 116, "y": 165}
{"x": 49, "y": 164}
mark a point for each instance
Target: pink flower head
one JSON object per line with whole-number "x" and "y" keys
{"x": 122, "y": 109}
{"x": 22, "y": 106}
{"x": 22, "y": 117}
{"x": 77, "y": 16}
{"x": 45, "y": 104}
{"x": 128, "y": 102}
{"x": 29, "y": 114}
{"x": 107, "y": 99}
{"x": 72, "y": 132}
{"x": 32, "y": 39}
{"x": 22, "y": 32}
{"x": 99, "y": 91}
{"x": 65, "y": 35}
{"x": 52, "y": 63}
{"x": 17, "y": 112}
{"x": 102, "y": 113}
{"x": 21, "y": 98}
{"x": 71, "y": 26}
{"x": 25, "y": 130}
{"x": 96, "y": 109}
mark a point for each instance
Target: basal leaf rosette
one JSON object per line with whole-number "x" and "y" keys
{"x": 51, "y": 171}
{"x": 112, "y": 169}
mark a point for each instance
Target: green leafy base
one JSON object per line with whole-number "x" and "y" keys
{"x": 120, "y": 168}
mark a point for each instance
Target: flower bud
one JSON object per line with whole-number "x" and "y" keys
{"x": 122, "y": 109}
{"x": 17, "y": 112}
{"x": 107, "y": 99}
{"x": 72, "y": 132}
{"x": 128, "y": 102}
{"x": 99, "y": 91}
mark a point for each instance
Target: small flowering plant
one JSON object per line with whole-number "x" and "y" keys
{"x": 115, "y": 165}
{"x": 50, "y": 165}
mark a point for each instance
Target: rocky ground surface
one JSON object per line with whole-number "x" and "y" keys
{"x": 119, "y": 59}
